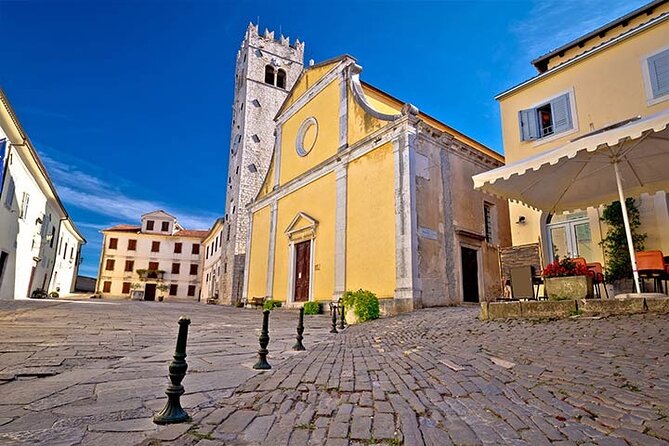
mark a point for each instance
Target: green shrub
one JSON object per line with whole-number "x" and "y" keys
{"x": 312, "y": 308}
{"x": 616, "y": 251}
{"x": 271, "y": 304}
{"x": 365, "y": 304}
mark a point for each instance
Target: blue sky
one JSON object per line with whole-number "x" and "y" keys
{"x": 128, "y": 102}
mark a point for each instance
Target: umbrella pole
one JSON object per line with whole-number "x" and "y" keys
{"x": 628, "y": 231}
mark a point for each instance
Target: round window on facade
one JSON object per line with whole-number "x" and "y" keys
{"x": 306, "y": 136}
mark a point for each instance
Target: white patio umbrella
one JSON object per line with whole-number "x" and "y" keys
{"x": 629, "y": 158}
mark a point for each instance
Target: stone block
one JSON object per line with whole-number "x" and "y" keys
{"x": 393, "y": 307}
{"x": 484, "y": 311}
{"x": 504, "y": 310}
{"x": 611, "y": 307}
{"x": 659, "y": 305}
{"x": 573, "y": 287}
{"x": 548, "y": 309}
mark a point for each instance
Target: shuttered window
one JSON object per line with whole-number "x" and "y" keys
{"x": 658, "y": 69}
{"x": 547, "y": 119}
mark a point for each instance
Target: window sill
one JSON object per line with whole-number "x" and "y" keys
{"x": 655, "y": 101}
{"x": 556, "y": 136}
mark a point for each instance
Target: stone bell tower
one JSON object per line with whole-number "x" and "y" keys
{"x": 265, "y": 72}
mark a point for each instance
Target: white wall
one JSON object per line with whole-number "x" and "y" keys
{"x": 211, "y": 273}
{"x": 26, "y": 233}
{"x": 66, "y": 264}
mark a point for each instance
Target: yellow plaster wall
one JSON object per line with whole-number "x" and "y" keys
{"x": 370, "y": 240}
{"x": 257, "y": 285}
{"x": 309, "y": 77}
{"x": 361, "y": 124}
{"x": 316, "y": 199}
{"x": 608, "y": 88}
{"x": 380, "y": 102}
{"x": 325, "y": 108}
{"x": 268, "y": 183}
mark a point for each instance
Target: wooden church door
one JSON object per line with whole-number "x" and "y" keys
{"x": 302, "y": 263}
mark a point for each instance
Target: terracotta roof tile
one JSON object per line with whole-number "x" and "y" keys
{"x": 124, "y": 228}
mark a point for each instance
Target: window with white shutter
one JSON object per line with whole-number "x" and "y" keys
{"x": 548, "y": 119}
{"x": 23, "y": 211}
{"x": 658, "y": 70}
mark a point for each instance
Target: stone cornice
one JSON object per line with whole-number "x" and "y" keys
{"x": 448, "y": 142}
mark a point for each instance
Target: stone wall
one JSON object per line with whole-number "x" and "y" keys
{"x": 256, "y": 103}
{"x": 450, "y": 214}
{"x": 522, "y": 255}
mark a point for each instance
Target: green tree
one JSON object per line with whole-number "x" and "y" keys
{"x": 618, "y": 264}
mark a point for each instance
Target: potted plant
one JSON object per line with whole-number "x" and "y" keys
{"x": 564, "y": 279}
{"x": 618, "y": 265}
{"x": 163, "y": 289}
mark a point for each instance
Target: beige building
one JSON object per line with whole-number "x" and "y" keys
{"x": 157, "y": 258}
{"x": 600, "y": 81}
{"x": 212, "y": 254}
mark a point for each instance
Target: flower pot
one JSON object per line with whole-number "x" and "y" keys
{"x": 571, "y": 287}
{"x": 623, "y": 286}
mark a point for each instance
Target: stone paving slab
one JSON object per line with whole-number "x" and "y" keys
{"x": 442, "y": 377}
{"x": 95, "y": 372}
{"x": 433, "y": 377}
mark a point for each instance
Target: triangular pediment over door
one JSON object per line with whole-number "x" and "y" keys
{"x": 302, "y": 227}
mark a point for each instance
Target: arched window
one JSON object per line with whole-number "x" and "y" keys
{"x": 281, "y": 78}
{"x": 269, "y": 74}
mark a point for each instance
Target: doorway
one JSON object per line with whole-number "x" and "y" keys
{"x": 150, "y": 291}
{"x": 302, "y": 270}
{"x": 470, "y": 274}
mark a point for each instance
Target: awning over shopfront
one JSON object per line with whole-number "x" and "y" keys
{"x": 580, "y": 173}
{"x": 626, "y": 159}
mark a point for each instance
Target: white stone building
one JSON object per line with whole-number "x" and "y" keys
{"x": 266, "y": 71}
{"x": 66, "y": 268}
{"x": 34, "y": 223}
{"x": 157, "y": 254}
{"x": 212, "y": 250}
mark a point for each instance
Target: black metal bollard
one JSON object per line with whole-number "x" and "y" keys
{"x": 334, "y": 319}
{"x": 342, "y": 321}
{"x": 173, "y": 412}
{"x": 300, "y": 329}
{"x": 262, "y": 363}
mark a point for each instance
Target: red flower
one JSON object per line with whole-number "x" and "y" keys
{"x": 565, "y": 268}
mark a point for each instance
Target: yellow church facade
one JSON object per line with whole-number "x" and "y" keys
{"x": 364, "y": 191}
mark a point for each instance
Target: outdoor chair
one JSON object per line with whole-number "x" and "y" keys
{"x": 522, "y": 286}
{"x": 651, "y": 265}
{"x": 597, "y": 273}
{"x": 595, "y": 285}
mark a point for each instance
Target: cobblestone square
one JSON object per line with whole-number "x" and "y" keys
{"x": 94, "y": 373}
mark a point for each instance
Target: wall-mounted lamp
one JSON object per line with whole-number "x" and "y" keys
{"x": 521, "y": 220}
